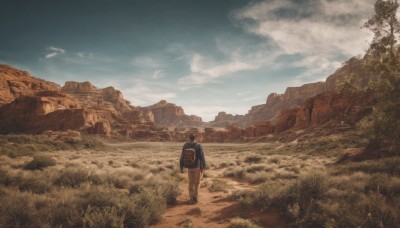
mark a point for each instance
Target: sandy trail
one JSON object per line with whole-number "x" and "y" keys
{"x": 214, "y": 209}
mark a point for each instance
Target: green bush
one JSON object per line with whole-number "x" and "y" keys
{"x": 40, "y": 162}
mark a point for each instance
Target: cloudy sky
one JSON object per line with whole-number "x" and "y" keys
{"x": 204, "y": 55}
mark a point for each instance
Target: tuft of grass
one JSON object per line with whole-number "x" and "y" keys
{"x": 72, "y": 177}
{"x": 34, "y": 185}
{"x": 235, "y": 172}
{"x": 103, "y": 217}
{"x": 257, "y": 178}
{"x": 253, "y": 159}
{"x": 40, "y": 162}
{"x": 218, "y": 185}
{"x": 241, "y": 223}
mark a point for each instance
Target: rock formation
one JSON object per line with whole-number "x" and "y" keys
{"x": 16, "y": 83}
{"x": 333, "y": 106}
{"x": 46, "y": 110}
{"x": 295, "y": 96}
{"x": 172, "y": 116}
{"x": 89, "y": 96}
{"x": 224, "y": 120}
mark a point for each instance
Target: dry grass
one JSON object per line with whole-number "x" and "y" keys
{"x": 130, "y": 185}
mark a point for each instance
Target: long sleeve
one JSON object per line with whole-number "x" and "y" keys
{"x": 202, "y": 158}
{"x": 181, "y": 159}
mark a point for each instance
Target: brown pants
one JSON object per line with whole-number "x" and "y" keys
{"x": 194, "y": 182}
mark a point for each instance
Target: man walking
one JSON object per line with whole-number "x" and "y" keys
{"x": 192, "y": 158}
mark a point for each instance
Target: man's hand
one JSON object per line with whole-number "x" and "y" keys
{"x": 181, "y": 170}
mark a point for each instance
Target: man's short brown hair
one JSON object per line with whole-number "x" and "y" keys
{"x": 192, "y": 137}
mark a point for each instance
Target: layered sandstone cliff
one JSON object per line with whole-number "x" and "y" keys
{"x": 224, "y": 120}
{"x": 16, "y": 83}
{"x": 89, "y": 96}
{"x": 172, "y": 116}
{"x": 295, "y": 96}
{"x": 46, "y": 110}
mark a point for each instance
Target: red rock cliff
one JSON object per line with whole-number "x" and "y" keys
{"x": 16, "y": 83}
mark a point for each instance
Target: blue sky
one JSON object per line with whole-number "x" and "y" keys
{"x": 204, "y": 55}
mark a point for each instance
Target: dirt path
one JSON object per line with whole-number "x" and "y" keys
{"x": 214, "y": 209}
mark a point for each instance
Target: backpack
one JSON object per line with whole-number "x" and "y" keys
{"x": 189, "y": 156}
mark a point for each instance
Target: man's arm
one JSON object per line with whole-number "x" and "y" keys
{"x": 202, "y": 159}
{"x": 181, "y": 159}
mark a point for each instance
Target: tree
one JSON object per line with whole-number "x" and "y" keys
{"x": 385, "y": 65}
{"x": 385, "y": 26}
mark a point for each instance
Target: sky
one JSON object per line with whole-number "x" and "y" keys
{"x": 204, "y": 55}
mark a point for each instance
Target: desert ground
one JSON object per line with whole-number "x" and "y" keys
{"x": 105, "y": 183}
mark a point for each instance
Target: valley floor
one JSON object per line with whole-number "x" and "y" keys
{"x": 251, "y": 184}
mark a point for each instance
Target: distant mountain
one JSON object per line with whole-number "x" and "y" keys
{"x": 295, "y": 96}
{"x": 172, "y": 116}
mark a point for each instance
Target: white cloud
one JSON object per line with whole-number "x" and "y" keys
{"x": 142, "y": 94}
{"x": 204, "y": 70}
{"x": 323, "y": 28}
{"x": 320, "y": 31}
{"x": 53, "y": 52}
{"x": 157, "y": 74}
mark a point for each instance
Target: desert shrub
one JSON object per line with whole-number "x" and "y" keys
{"x": 143, "y": 209}
{"x": 384, "y": 184}
{"x": 72, "y": 177}
{"x": 241, "y": 223}
{"x": 286, "y": 176}
{"x": 166, "y": 187}
{"x": 40, "y": 162}
{"x": 255, "y": 168}
{"x": 157, "y": 170}
{"x": 257, "y": 177}
{"x": 5, "y": 178}
{"x": 218, "y": 185}
{"x": 236, "y": 172}
{"x": 274, "y": 160}
{"x": 102, "y": 217}
{"x": 253, "y": 159}
{"x": 16, "y": 211}
{"x": 65, "y": 214}
{"x": 34, "y": 185}
{"x": 364, "y": 211}
{"x": 387, "y": 165}
{"x": 295, "y": 170}
{"x": 123, "y": 177}
{"x": 170, "y": 191}
{"x": 100, "y": 197}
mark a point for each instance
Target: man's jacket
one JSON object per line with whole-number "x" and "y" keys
{"x": 200, "y": 161}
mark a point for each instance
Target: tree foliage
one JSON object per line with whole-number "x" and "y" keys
{"x": 385, "y": 26}
{"x": 385, "y": 64}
